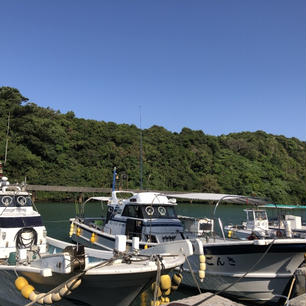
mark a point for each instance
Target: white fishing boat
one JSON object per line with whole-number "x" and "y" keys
{"x": 257, "y": 271}
{"x": 37, "y": 269}
{"x": 258, "y": 225}
{"x": 288, "y": 219}
{"x": 151, "y": 216}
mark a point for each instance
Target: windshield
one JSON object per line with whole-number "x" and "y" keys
{"x": 260, "y": 215}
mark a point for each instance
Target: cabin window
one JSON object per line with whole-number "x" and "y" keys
{"x": 250, "y": 216}
{"x": 132, "y": 211}
{"x": 260, "y": 215}
{"x": 14, "y": 201}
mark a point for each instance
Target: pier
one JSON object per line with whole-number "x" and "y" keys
{"x": 81, "y": 190}
{"x": 77, "y": 189}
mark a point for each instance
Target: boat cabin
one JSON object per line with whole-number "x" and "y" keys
{"x": 148, "y": 215}
{"x": 256, "y": 219}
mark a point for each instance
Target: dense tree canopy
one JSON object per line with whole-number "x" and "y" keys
{"x": 48, "y": 147}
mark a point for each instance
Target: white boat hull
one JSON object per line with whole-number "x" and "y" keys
{"x": 116, "y": 284}
{"x": 266, "y": 281}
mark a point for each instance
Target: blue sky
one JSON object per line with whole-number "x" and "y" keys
{"x": 220, "y": 66}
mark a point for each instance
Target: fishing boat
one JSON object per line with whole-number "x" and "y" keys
{"x": 287, "y": 219}
{"x": 259, "y": 226}
{"x": 37, "y": 269}
{"x": 253, "y": 270}
{"x": 151, "y": 216}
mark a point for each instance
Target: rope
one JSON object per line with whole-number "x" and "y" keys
{"x": 240, "y": 278}
{"x": 287, "y": 303}
{"x": 192, "y": 274}
{"x": 157, "y": 281}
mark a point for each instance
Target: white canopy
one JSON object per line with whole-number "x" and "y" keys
{"x": 217, "y": 197}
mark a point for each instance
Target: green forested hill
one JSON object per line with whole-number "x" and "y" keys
{"x": 53, "y": 148}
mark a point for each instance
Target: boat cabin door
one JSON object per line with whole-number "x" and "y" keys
{"x": 133, "y": 228}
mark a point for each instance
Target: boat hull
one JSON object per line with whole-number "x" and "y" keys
{"x": 116, "y": 290}
{"x": 249, "y": 270}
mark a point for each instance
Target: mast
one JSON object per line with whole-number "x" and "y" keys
{"x": 114, "y": 179}
{"x": 7, "y": 136}
{"x": 140, "y": 153}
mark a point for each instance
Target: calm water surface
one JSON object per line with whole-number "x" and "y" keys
{"x": 56, "y": 219}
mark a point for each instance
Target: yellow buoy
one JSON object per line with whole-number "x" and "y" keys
{"x": 48, "y": 299}
{"x": 167, "y": 292}
{"x": 38, "y": 297}
{"x": 26, "y": 290}
{"x": 20, "y": 282}
{"x": 157, "y": 303}
{"x": 165, "y": 282}
{"x": 71, "y": 229}
{"x": 143, "y": 298}
{"x": 78, "y": 231}
{"x": 73, "y": 284}
{"x": 229, "y": 234}
{"x": 64, "y": 291}
{"x": 93, "y": 238}
{"x": 203, "y": 266}
{"x": 159, "y": 293}
{"x": 174, "y": 287}
{"x": 56, "y": 297}
{"x": 166, "y": 300}
{"x": 177, "y": 278}
{"x": 202, "y": 258}
{"x": 145, "y": 247}
{"x": 201, "y": 274}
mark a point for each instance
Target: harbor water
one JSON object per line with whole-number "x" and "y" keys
{"x": 56, "y": 219}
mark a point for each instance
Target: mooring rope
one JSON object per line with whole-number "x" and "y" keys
{"x": 192, "y": 274}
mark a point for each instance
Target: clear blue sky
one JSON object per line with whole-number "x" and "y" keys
{"x": 220, "y": 66}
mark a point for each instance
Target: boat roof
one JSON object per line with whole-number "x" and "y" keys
{"x": 283, "y": 206}
{"x": 230, "y": 198}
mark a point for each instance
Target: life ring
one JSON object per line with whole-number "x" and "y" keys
{"x": 162, "y": 210}
{"x": 149, "y": 210}
{"x": 21, "y": 200}
{"x": 6, "y": 200}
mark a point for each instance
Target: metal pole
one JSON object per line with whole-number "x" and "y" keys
{"x": 140, "y": 153}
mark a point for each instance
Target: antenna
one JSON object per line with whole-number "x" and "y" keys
{"x": 140, "y": 153}
{"x": 114, "y": 179}
{"x": 7, "y": 135}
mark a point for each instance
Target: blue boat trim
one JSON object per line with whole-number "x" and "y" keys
{"x": 251, "y": 249}
{"x": 12, "y": 222}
